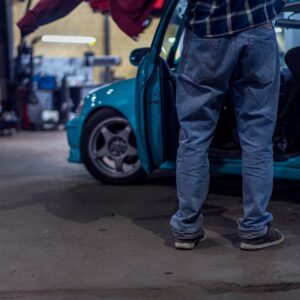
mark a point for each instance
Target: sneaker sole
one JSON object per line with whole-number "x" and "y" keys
{"x": 245, "y": 246}
{"x": 188, "y": 246}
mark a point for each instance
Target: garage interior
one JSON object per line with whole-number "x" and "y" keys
{"x": 66, "y": 235}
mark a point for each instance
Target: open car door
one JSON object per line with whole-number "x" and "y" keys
{"x": 157, "y": 124}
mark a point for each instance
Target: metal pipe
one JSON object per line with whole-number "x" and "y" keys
{"x": 28, "y": 5}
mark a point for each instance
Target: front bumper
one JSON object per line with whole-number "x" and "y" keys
{"x": 74, "y": 131}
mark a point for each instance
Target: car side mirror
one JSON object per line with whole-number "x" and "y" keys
{"x": 137, "y": 55}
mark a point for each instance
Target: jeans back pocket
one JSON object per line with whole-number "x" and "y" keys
{"x": 200, "y": 58}
{"x": 263, "y": 57}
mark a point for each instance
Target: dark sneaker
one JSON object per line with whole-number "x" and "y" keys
{"x": 272, "y": 238}
{"x": 186, "y": 244}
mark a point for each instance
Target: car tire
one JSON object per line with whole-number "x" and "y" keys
{"x": 108, "y": 148}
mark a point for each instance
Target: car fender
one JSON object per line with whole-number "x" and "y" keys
{"x": 119, "y": 96}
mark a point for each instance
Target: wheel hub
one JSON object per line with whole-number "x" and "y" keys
{"x": 117, "y": 146}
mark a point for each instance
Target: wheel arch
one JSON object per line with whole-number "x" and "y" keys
{"x": 127, "y": 112}
{"x": 99, "y": 108}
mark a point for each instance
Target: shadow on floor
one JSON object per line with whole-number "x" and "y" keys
{"x": 151, "y": 203}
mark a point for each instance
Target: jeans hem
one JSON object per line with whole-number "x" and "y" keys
{"x": 253, "y": 235}
{"x": 187, "y": 236}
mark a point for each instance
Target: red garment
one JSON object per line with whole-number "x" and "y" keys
{"x": 159, "y": 4}
{"x": 131, "y": 14}
{"x": 128, "y": 14}
{"x": 102, "y": 6}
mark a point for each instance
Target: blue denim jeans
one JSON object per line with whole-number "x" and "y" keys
{"x": 245, "y": 65}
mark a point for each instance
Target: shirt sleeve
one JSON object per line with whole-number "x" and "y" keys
{"x": 46, "y": 11}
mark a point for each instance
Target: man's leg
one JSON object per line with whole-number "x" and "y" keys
{"x": 255, "y": 96}
{"x": 202, "y": 82}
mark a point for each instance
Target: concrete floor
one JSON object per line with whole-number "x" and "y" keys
{"x": 65, "y": 236}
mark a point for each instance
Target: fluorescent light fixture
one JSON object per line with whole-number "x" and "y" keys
{"x": 69, "y": 39}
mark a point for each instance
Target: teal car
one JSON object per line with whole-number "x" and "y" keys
{"x": 125, "y": 130}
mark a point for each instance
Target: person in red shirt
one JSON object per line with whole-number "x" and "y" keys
{"x": 128, "y": 14}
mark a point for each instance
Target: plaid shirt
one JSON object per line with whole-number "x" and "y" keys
{"x": 213, "y": 18}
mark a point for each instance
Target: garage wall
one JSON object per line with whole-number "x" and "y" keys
{"x": 82, "y": 21}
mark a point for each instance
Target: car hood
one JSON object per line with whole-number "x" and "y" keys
{"x": 116, "y": 90}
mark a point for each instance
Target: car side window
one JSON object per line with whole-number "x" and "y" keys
{"x": 172, "y": 31}
{"x": 179, "y": 47}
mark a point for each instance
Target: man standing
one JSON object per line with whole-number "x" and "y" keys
{"x": 229, "y": 46}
